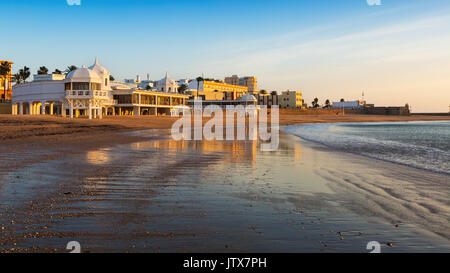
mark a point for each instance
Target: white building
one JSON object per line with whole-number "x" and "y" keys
{"x": 167, "y": 85}
{"x": 88, "y": 92}
{"x": 84, "y": 91}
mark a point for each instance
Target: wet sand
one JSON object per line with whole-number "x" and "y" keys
{"x": 142, "y": 192}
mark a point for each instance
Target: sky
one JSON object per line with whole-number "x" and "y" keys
{"x": 396, "y": 53}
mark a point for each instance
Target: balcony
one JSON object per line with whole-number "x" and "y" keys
{"x": 86, "y": 94}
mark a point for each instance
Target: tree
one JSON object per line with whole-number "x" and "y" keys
{"x": 111, "y": 78}
{"x": 42, "y": 70}
{"x": 17, "y": 78}
{"x": 199, "y": 79}
{"x": 70, "y": 69}
{"x": 148, "y": 87}
{"x": 57, "y": 71}
{"x": 274, "y": 93}
{"x": 263, "y": 92}
{"x": 315, "y": 103}
{"x": 5, "y": 68}
{"x": 327, "y": 103}
{"x": 342, "y": 100}
{"x": 24, "y": 73}
{"x": 182, "y": 88}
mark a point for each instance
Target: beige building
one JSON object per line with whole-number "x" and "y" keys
{"x": 134, "y": 102}
{"x": 290, "y": 99}
{"x": 250, "y": 82}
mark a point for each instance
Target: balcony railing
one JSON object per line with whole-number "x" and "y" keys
{"x": 86, "y": 93}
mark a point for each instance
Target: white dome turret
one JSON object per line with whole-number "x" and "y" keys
{"x": 99, "y": 69}
{"x": 84, "y": 75}
{"x": 249, "y": 98}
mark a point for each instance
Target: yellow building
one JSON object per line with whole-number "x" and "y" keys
{"x": 214, "y": 90}
{"x": 250, "y": 82}
{"x": 290, "y": 99}
{"x": 6, "y": 83}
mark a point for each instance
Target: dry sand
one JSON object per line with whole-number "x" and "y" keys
{"x": 21, "y": 128}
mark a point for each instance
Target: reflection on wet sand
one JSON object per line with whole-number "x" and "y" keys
{"x": 98, "y": 157}
{"x": 162, "y": 195}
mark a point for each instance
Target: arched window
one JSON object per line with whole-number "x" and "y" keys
{"x": 170, "y": 89}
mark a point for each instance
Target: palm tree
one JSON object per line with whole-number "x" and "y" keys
{"x": 182, "y": 88}
{"x": 5, "y": 68}
{"x": 111, "y": 78}
{"x": 42, "y": 70}
{"x": 17, "y": 78}
{"x": 274, "y": 93}
{"x": 342, "y": 100}
{"x": 315, "y": 103}
{"x": 70, "y": 69}
{"x": 57, "y": 71}
{"x": 263, "y": 92}
{"x": 327, "y": 103}
{"x": 199, "y": 79}
{"x": 24, "y": 73}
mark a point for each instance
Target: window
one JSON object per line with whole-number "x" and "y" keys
{"x": 123, "y": 99}
{"x": 106, "y": 82}
{"x": 80, "y": 86}
{"x": 80, "y": 93}
{"x": 96, "y": 86}
{"x": 67, "y": 86}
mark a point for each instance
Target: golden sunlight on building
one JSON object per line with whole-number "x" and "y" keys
{"x": 250, "y": 82}
{"x": 6, "y": 88}
{"x": 217, "y": 90}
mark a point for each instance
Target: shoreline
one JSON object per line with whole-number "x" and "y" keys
{"x": 401, "y": 181}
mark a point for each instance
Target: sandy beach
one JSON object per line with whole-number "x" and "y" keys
{"x": 57, "y": 128}
{"x": 122, "y": 185}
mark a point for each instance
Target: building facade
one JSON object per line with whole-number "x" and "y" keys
{"x": 6, "y": 84}
{"x": 167, "y": 85}
{"x": 85, "y": 92}
{"x": 250, "y": 82}
{"x": 216, "y": 90}
{"x": 134, "y": 102}
{"x": 291, "y": 99}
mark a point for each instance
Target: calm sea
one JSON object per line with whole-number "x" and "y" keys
{"x": 424, "y": 145}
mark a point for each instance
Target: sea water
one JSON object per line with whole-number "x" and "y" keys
{"x": 423, "y": 145}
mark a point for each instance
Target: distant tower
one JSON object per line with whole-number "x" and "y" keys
{"x": 138, "y": 78}
{"x": 148, "y": 76}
